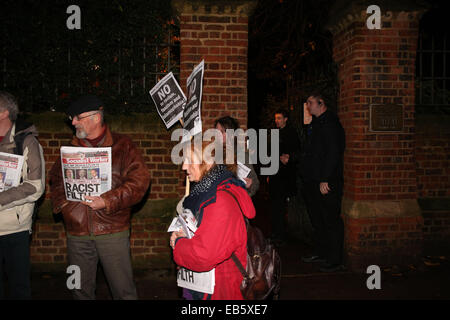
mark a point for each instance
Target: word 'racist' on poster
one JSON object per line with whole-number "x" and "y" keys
{"x": 86, "y": 171}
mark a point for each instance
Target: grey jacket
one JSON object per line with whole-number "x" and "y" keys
{"x": 17, "y": 203}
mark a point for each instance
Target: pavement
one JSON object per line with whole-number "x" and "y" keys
{"x": 428, "y": 280}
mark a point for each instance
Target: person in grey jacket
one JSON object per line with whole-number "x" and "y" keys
{"x": 251, "y": 182}
{"x": 17, "y": 203}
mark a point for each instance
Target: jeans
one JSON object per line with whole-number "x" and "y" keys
{"x": 15, "y": 262}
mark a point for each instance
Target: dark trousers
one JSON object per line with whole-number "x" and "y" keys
{"x": 278, "y": 194}
{"x": 15, "y": 263}
{"x": 325, "y": 215}
{"x": 114, "y": 255}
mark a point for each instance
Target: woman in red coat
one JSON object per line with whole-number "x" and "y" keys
{"x": 221, "y": 227}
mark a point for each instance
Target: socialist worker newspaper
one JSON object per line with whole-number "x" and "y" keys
{"x": 86, "y": 171}
{"x": 10, "y": 170}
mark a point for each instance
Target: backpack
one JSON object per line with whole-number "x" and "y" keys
{"x": 263, "y": 274}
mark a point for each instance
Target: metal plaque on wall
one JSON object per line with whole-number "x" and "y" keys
{"x": 386, "y": 118}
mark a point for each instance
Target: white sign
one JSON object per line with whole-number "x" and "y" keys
{"x": 169, "y": 100}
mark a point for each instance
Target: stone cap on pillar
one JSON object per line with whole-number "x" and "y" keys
{"x": 345, "y": 12}
{"x": 238, "y": 7}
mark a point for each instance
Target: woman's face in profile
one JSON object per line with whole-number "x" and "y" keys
{"x": 193, "y": 166}
{"x": 192, "y": 170}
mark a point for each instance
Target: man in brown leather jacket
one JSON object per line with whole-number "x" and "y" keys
{"x": 98, "y": 228}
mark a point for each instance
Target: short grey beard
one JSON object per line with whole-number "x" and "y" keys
{"x": 81, "y": 134}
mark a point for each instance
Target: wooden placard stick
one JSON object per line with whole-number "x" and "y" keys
{"x": 186, "y": 193}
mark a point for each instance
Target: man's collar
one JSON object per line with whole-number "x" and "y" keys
{"x": 106, "y": 140}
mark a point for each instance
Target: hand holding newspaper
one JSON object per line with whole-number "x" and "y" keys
{"x": 186, "y": 221}
{"x": 198, "y": 281}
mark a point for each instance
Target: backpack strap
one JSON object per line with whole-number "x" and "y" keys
{"x": 19, "y": 140}
{"x": 233, "y": 256}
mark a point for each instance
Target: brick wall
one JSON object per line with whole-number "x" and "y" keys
{"x": 376, "y": 240}
{"x": 217, "y": 33}
{"x": 377, "y": 67}
{"x": 383, "y": 221}
{"x": 149, "y": 241}
{"x": 436, "y": 230}
{"x": 433, "y": 156}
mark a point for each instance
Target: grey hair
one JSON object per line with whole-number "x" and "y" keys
{"x": 9, "y": 102}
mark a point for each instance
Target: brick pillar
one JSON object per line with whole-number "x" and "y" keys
{"x": 383, "y": 221}
{"x": 216, "y": 31}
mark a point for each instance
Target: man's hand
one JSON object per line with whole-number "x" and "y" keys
{"x": 96, "y": 203}
{"x": 324, "y": 188}
{"x": 284, "y": 158}
{"x": 307, "y": 117}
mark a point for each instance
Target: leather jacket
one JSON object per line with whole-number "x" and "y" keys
{"x": 130, "y": 181}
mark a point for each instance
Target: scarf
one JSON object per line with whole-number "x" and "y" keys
{"x": 206, "y": 189}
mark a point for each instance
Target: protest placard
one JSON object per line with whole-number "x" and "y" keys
{"x": 198, "y": 281}
{"x": 10, "y": 170}
{"x": 192, "y": 111}
{"x": 169, "y": 100}
{"x": 86, "y": 171}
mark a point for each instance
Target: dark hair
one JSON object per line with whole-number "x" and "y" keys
{"x": 320, "y": 96}
{"x": 284, "y": 112}
{"x": 227, "y": 122}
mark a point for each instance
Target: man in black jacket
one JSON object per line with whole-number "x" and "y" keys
{"x": 322, "y": 173}
{"x": 282, "y": 185}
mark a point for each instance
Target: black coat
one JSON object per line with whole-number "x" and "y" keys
{"x": 322, "y": 156}
{"x": 284, "y": 181}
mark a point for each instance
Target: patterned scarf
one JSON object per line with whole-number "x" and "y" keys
{"x": 206, "y": 188}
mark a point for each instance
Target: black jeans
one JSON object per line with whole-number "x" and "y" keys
{"x": 279, "y": 191}
{"x": 15, "y": 262}
{"x": 325, "y": 215}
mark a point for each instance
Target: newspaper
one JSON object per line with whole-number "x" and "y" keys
{"x": 86, "y": 171}
{"x": 10, "y": 170}
{"x": 242, "y": 171}
{"x": 198, "y": 281}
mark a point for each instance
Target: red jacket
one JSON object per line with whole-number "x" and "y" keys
{"x": 221, "y": 232}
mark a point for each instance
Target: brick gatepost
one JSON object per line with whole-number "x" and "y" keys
{"x": 383, "y": 221}
{"x": 216, "y": 31}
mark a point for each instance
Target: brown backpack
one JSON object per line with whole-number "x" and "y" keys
{"x": 263, "y": 274}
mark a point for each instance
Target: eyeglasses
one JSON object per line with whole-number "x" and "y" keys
{"x": 78, "y": 118}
